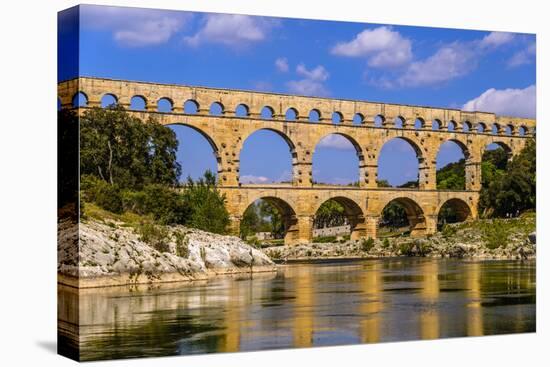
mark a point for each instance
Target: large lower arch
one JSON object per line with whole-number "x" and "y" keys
{"x": 191, "y": 149}
{"x": 287, "y": 215}
{"x": 453, "y": 211}
{"x": 413, "y": 212}
{"x": 401, "y": 163}
{"x": 353, "y": 214}
{"x": 336, "y": 156}
{"x": 255, "y": 169}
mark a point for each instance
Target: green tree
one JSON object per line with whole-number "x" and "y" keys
{"x": 452, "y": 176}
{"x": 394, "y": 215}
{"x": 120, "y": 149}
{"x": 330, "y": 214}
{"x": 206, "y": 204}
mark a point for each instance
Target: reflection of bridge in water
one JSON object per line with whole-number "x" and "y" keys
{"x": 367, "y": 125}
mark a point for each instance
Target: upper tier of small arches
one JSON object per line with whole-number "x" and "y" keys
{"x": 224, "y": 103}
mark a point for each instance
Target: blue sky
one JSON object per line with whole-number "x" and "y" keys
{"x": 474, "y": 70}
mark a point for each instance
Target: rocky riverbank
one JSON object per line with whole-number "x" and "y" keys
{"x": 482, "y": 239}
{"x": 113, "y": 253}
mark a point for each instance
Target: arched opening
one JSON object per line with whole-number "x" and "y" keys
{"x": 419, "y": 123}
{"x": 191, "y": 107}
{"x": 336, "y": 219}
{"x": 197, "y": 152}
{"x": 466, "y": 126}
{"x": 509, "y": 129}
{"x": 451, "y": 126}
{"x": 291, "y": 114}
{"x": 164, "y": 105}
{"x": 108, "y": 100}
{"x": 337, "y": 117}
{"x": 379, "y": 121}
{"x": 398, "y": 163}
{"x": 242, "y": 110}
{"x": 216, "y": 109}
{"x": 451, "y": 166}
{"x": 314, "y": 115}
{"x": 522, "y": 131}
{"x": 358, "y": 119}
{"x": 495, "y": 129}
{"x": 401, "y": 217}
{"x": 399, "y": 122}
{"x": 436, "y": 124}
{"x": 453, "y": 211}
{"x": 494, "y": 162}
{"x": 80, "y": 100}
{"x": 336, "y": 161}
{"x": 259, "y": 165}
{"x": 138, "y": 103}
{"x": 481, "y": 127}
{"x": 268, "y": 221}
{"x": 267, "y": 113}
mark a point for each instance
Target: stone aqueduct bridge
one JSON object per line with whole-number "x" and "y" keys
{"x": 299, "y": 200}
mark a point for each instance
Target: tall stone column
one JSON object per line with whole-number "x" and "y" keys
{"x": 371, "y": 226}
{"x": 473, "y": 175}
{"x": 431, "y": 223}
{"x": 301, "y": 230}
{"x": 369, "y": 175}
{"x": 427, "y": 174}
{"x": 302, "y": 165}
{"x": 358, "y": 228}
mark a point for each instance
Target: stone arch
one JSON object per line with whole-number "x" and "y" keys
{"x": 216, "y": 109}
{"x": 138, "y": 103}
{"x": 522, "y": 131}
{"x": 209, "y": 139}
{"x": 356, "y": 146}
{"x": 399, "y": 122}
{"x": 358, "y": 119}
{"x": 379, "y": 120}
{"x": 495, "y": 129}
{"x": 337, "y": 117}
{"x": 314, "y": 115}
{"x": 414, "y": 212}
{"x": 466, "y": 126}
{"x": 422, "y": 163}
{"x": 165, "y": 104}
{"x": 452, "y": 125}
{"x": 267, "y": 113}
{"x": 80, "y": 99}
{"x": 108, "y": 97}
{"x": 353, "y": 213}
{"x": 191, "y": 106}
{"x": 291, "y": 114}
{"x": 503, "y": 145}
{"x": 481, "y": 127}
{"x": 462, "y": 210}
{"x": 437, "y": 124}
{"x": 509, "y": 129}
{"x": 281, "y": 134}
{"x": 419, "y": 123}
{"x": 242, "y": 110}
{"x": 285, "y": 209}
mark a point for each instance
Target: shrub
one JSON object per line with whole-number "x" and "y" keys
{"x": 182, "y": 245}
{"x": 367, "y": 244}
{"x": 104, "y": 194}
{"x": 325, "y": 239}
{"x": 448, "y": 231}
{"x": 386, "y": 243}
{"x": 495, "y": 234}
{"x": 154, "y": 235}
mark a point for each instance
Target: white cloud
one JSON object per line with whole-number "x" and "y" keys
{"x": 311, "y": 83}
{"x": 525, "y": 56}
{"x": 449, "y": 62}
{"x": 505, "y": 102}
{"x": 251, "y": 179}
{"x": 336, "y": 141}
{"x": 231, "y": 30}
{"x": 496, "y": 39}
{"x": 134, "y": 27}
{"x": 281, "y": 64}
{"x": 382, "y": 47}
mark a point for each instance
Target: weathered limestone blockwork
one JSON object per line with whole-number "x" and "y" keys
{"x": 300, "y": 199}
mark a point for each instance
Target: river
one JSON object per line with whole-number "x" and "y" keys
{"x": 305, "y": 305}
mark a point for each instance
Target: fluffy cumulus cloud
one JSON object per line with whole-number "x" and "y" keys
{"x": 231, "y": 30}
{"x": 281, "y": 64}
{"x": 524, "y": 56}
{"x": 382, "y": 47}
{"x": 311, "y": 82}
{"x": 134, "y": 27}
{"x": 448, "y": 62}
{"x": 505, "y": 102}
{"x": 336, "y": 142}
{"x": 496, "y": 39}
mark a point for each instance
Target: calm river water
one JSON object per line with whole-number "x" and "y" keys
{"x": 306, "y": 305}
